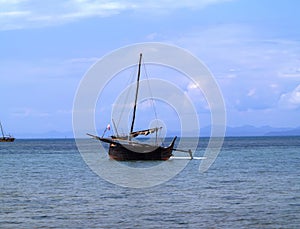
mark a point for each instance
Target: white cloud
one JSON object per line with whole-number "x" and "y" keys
{"x": 193, "y": 91}
{"x": 152, "y": 36}
{"x": 146, "y": 104}
{"x": 45, "y": 69}
{"x": 251, "y": 92}
{"x": 239, "y": 48}
{"x": 252, "y": 69}
{"x": 290, "y": 100}
{"x": 89, "y": 60}
{"x": 29, "y": 112}
{"x": 11, "y": 2}
{"x": 14, "y": 13}
{"x": 274, "y": 85}
{"x": 173, "y": 4}
{"x": 291, "y": 71}
{"x": 18, "y": 14}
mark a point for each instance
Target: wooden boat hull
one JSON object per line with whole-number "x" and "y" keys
{"x": 121, "y": 152}
{"x": 7, "y": 139}
{"x": 133, "y": 151}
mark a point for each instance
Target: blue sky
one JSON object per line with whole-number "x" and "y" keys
{"x": 252, "y": 47}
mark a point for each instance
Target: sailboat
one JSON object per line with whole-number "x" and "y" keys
{"x": 125, "y": 148}
{"x": 5, "y": 138}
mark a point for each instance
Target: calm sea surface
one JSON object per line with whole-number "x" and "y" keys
{"x": 254, "y": 183}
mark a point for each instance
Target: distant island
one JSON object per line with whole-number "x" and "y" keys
{"x": 248, "y": 130}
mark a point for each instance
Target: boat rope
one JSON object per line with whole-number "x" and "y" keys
{"x": 151, "y": 94}
{"x": 130, "y": 81}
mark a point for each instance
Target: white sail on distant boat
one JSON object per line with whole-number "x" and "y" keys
{"x": 5, "y": 138}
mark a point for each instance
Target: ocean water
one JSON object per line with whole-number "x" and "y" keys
{"x": 254, "y": 183}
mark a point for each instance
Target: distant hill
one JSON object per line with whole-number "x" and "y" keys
{"x": 248, "y": 130}
{"x": 291, "y": 132}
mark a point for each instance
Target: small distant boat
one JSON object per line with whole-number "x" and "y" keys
{"x": 124, "y": 148}
{"x": 5, "y": 138}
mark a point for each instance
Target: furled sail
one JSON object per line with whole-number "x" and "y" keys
{"x": 144, "y": 132}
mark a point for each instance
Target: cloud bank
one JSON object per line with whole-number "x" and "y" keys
{"x": 22, "y": 14}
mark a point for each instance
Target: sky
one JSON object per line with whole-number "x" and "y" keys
{"x": 252, "y": 47}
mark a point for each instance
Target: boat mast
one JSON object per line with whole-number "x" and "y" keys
{"x": 136, "y": 94}
{"x": 2, "y": 130}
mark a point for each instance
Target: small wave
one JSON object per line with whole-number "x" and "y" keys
{"x": 187, "y": 158}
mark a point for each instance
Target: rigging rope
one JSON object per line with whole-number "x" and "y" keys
{"x": 130, "y": 81}
{"x": 151, "y": 95}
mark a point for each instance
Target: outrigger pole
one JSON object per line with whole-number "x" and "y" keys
{"x": 185, "y": 151}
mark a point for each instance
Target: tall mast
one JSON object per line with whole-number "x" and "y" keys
{"x": 136, "y": 93}
{"x": 1, "y": 129}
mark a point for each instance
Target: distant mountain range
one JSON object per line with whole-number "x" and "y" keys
{"x": 240, "y": 131}
{"x": 248, "y": 130}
